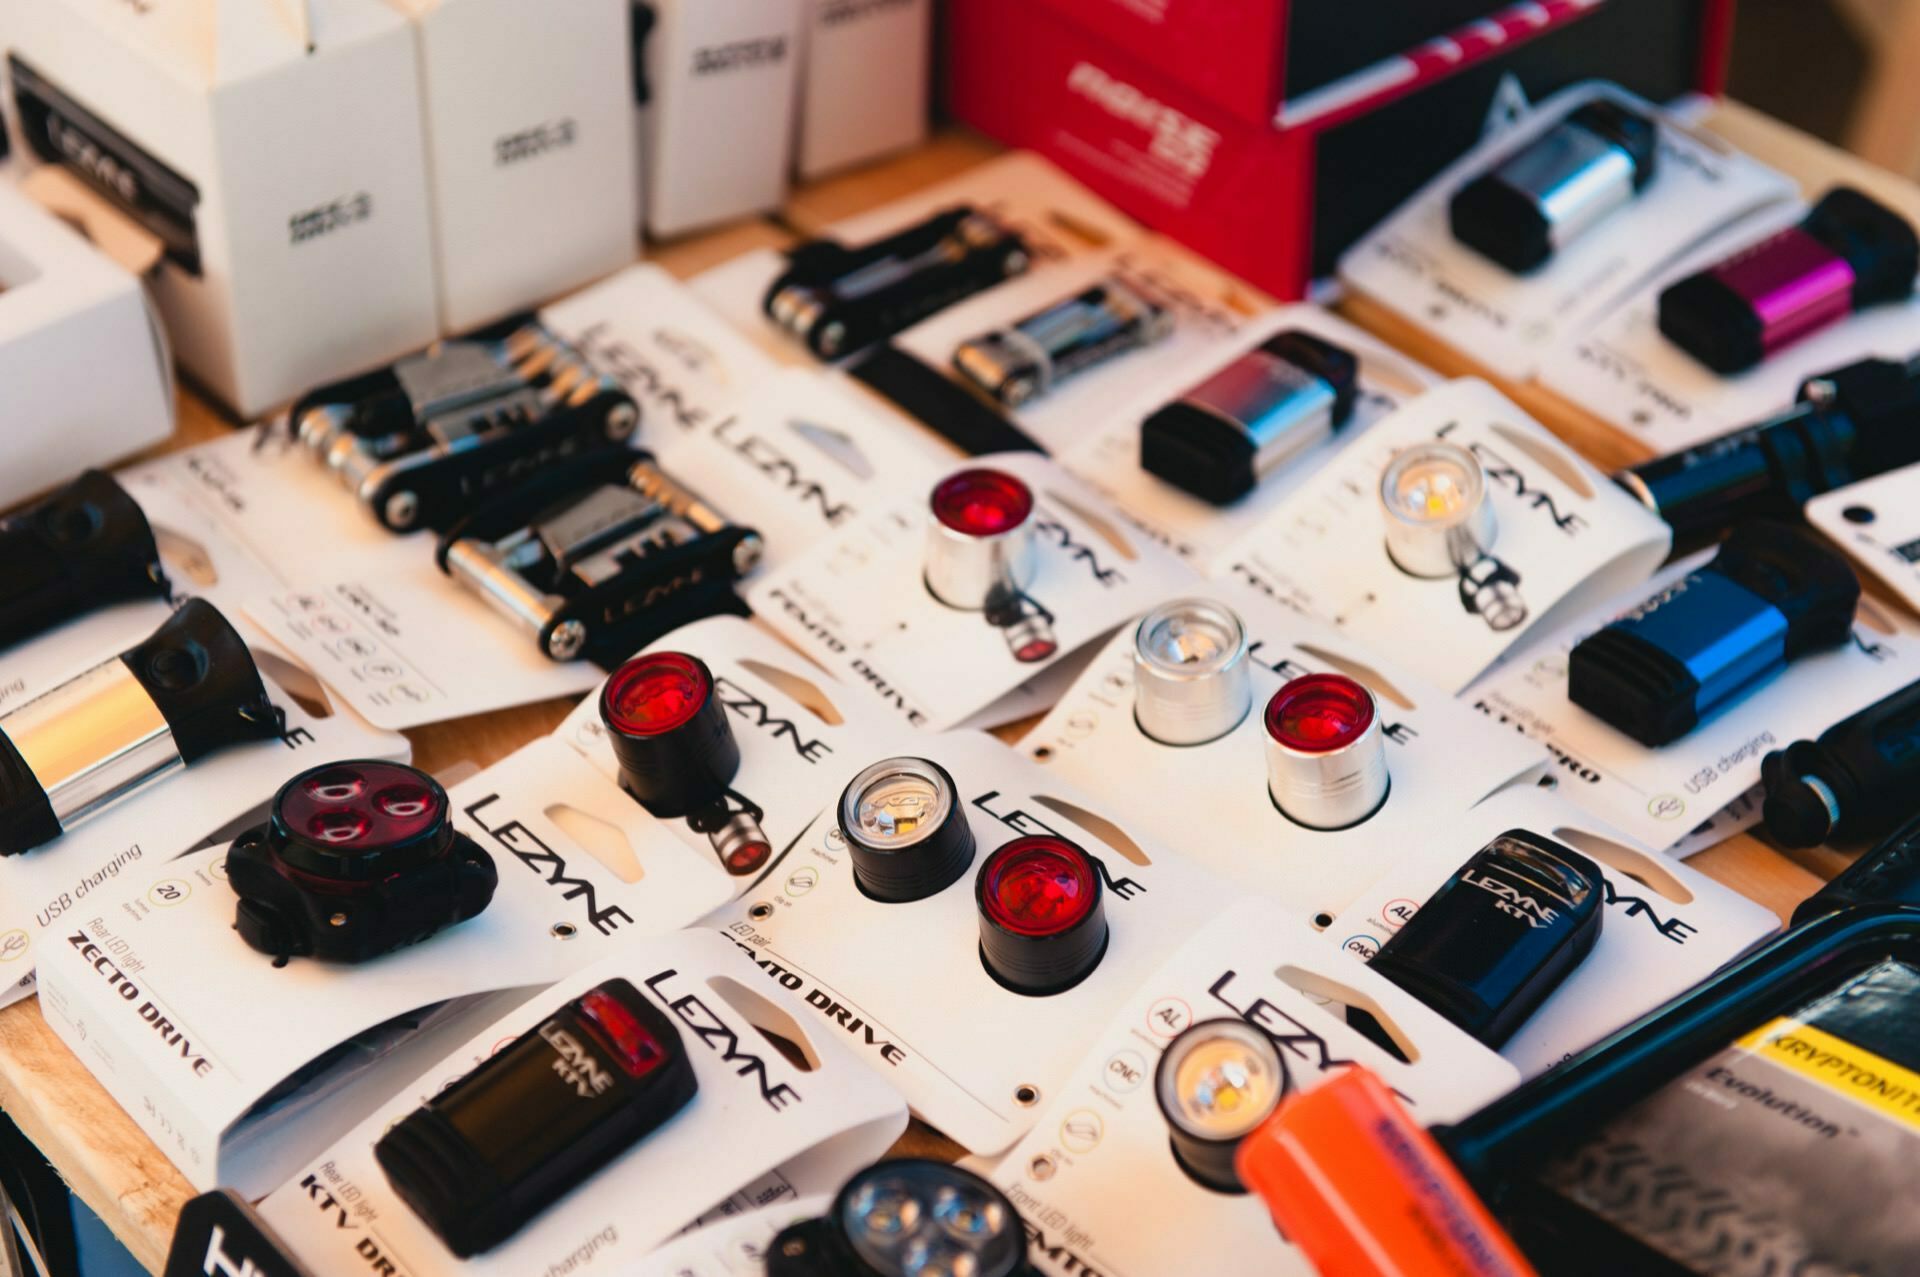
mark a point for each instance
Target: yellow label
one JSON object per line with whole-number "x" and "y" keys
{"x": 1839, "y": 1066}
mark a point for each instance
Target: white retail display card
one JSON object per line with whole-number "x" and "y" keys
{"x": 1108, "y": 456}
{"x": 733, "y": 1247}
{"x": 1565, "y": 536}
{"x": 1664, "y": 927}
{"x": 42, "y": 891}
{"x": 754, "y": 1112}
{"x": 1657, "y": 796}
{"x": 1413, "y": 264}
{"x": 1625, "y": 371}
{"x": 1877, "y": 522}
{"x": 168, "y": 930}
{"x": 1101, "y": 1151}
{"x": 1441, "y": 760}
{"x": 860, "y": 605}
{"x": 906, "y": 985}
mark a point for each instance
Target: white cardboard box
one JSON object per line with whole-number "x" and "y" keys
{"x": 273, "y": 145}
{"x": 864, "y": 85}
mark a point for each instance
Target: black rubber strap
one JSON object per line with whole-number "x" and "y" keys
{"x": 952, "y": 411}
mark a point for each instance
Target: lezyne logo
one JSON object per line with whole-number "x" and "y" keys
{"x": 1294, "y": 1042}
{"x": 1178, "y": 139}
{"x": 85, "y": 155}
{"x": 573, "y": 1065}
{"x": 1501, "y": 470}
{"x": 721, "y": 1037}
{"x": 1674, "y": 929}
{"x": 329, "y": 217}
{"x": 739, "y": 54}
{"x": 756, "y": 711}
{"x": 1510, "y": 899}
{"x": 525, "y": 846}
{"x": 538, "y": 140}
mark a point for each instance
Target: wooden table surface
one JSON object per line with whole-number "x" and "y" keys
{"x": 121, "y": 1175}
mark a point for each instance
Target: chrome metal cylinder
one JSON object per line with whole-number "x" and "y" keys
{"x": 1190, "y": 681}
{"x": 1326, "y": 753}
{"x": 93, "y": 739}
{"x": 1439, "y": 517}
{"x": 979, "y": 538}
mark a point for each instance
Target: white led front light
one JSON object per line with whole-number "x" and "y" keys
{"x": 1439, "y": 520}
{"x": 1216, "y": 1082}
{"x": 923, "y": 1219}
{"x": 905, "y": 830}
{"x": 1190, "y": 680}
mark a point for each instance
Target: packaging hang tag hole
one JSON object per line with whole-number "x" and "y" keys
{"x": 1107, "y": 456}
{"x": 1877, "y": 522}
{"x": 1664, "y": 927}
{"x": 866, "y": 969}
{"x": 1510, "y": 323}
{"x": 753, "y": 1111}
{"x": 1658, "y": 796}
{"x": 1057, "y": 568}
{"x": 1511, "y": 528}
{"x": 1439, "y": 760}
{"x": 44, "y": 890}
{"x": 1103, "y": 1146}
{"x": 1629, "y": 374}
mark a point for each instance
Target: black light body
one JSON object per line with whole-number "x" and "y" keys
{"x": 905, "y": 829}
{"x": 1858, "y": 780}
{"x": 81, "y": 548}
{"x": 905, "y": 1217}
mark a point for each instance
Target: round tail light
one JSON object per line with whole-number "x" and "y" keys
{"x": 1326, "y": 754}
{"x": 1190, "y": 681}
{"x": 979, "y": 538}
{"x": 905, "y": 830}
{"x": 1216, "y": 1083}
{"x": 1043, "y": 927}
{"x": 1439, "y": 519}
{"x": 669, "y": 732}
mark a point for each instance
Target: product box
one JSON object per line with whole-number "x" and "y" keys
{"x": 275, "y": 150}
{"x": 82, "y": 354}
{"x": 533, "y": 149}
{"x": 722, "y": 77}
{"x": 864, "y": 82}
{"x": 1186, "y": 113}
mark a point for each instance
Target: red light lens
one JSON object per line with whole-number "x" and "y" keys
{"x": 1319, "y": 713}
{"x": 366, "y": 806}
{"x": 638, "y": 1051}
{"x": 747, "y": 857}
{"x": 981, "y": 502}
{"x": 655, "y": 693}
{"x": 1039, "y": 886}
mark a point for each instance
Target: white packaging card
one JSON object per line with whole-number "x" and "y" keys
{"x": 43, "y": 890}
{"x": 1211, "y": 803}
{"x": 1413, "y": 265}
{"x": 858, "y": 603}
{"x": 1625, "y": 371}
{"x": 1663, "y": 927}
{"x": 1107, "y": 457}
{"x": 1877, "y": 521}
{"x": 754, "y": 1112}
{"x": 1658, "y": 796}
{"x": 1565, "y": 536}
{"x": 733, "y": 1247}
{"x": 1096, "y": 1178}
{"x": 906, "y": 985}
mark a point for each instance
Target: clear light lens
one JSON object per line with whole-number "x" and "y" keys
{"x": 886, "y": 1211}
{"x": 1190, "y": 636}
{"x": 933, "y": 1257}
{"x": 900, "y": 806}
{"x": 1223, "y": 1079}
{"x": 1433, "y": 483}
{"x": 968, "y": 1215}
{"x": 925, "y": 1221}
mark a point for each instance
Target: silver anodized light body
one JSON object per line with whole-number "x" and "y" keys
{"x": 1576, "y": 177}
{"x": 1438, "y": 513}
{"x": 1190, "y": 679}
{"x": 92, "y": 740}
{"x": 1333, "y": 788}
{"x": 967, "y": 571}
{"x": 1280, "y": 406}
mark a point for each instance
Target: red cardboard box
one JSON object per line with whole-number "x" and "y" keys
{"x": 1163, "y": 129}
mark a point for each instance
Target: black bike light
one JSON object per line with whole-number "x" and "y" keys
{"x": 1857, "y": 781}
{"x": 905, "y": 829}
{"x": 1851, "y": 252}
{"x": 1246, "y": 421}
{"x": 1190, "y": 680}
{"x": 187, "y": 691}
{"x": 1013, "y": 366}
{"x": 1495, "y": 942}
{"x": 1771, "y": 595}
{"x": 82, "y": 548}
{"x": 356, "y": 859}
{"x": 669, "y": 732}
{"x": 1216, "y": 1083}
{"x": 979, "y": 538}
{"x": 1440, "y": 520}
{"x": 1326, "y": 752}
{"x": 907, "y": 1217}
{"x": 1558, "y": 186}
{"x": 1043, "y": 926}
{"x": 1889, "y": 873}
{"x": 547, "y": 1111}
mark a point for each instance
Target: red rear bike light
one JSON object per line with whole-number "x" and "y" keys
{"x": 655, "y": 693}
{"x": 980, "y": 541}
{"x": 1319, "y": 713}
{"x": 669, "y": 732}
{"x": 982, "y": 502}
{"x": 1326, "y": 753}
{"x": 358, "y": 809}
{"x": 1043, "y": 927}
{"x": 636, "y": 1050}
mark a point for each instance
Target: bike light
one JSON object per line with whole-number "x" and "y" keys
{"x": 1042, "y": 925}
{"x": 1246, "y": 421}
{"x": 356, "y": 859}
{"x": 1857, "y": 781}
{"x": 1015, "y": 365}
{"x": 1503, "y": 933}
{"x": 905, "y": 830}
{"x": 553, "y": 1107}
{"x": 979, "y": 538}
{"x": 1326, "y": 753}
{"x": 187, "y": 691}
{"x": 1024, "y": 623}
{"x": 84, "y": 547}
{"x": 1550, "y": 192}
{"x": 838, "y": 300}
{"x": 1771, "y": 595}
{"x": 907, "y": 1217}
{"x": 1851, "y": 252}
{"x": 1190, "y": 682}
{"x": 1439, "y": 520}
{"x": 669, "y": 732}
{"x": 1216, "y": 1082}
